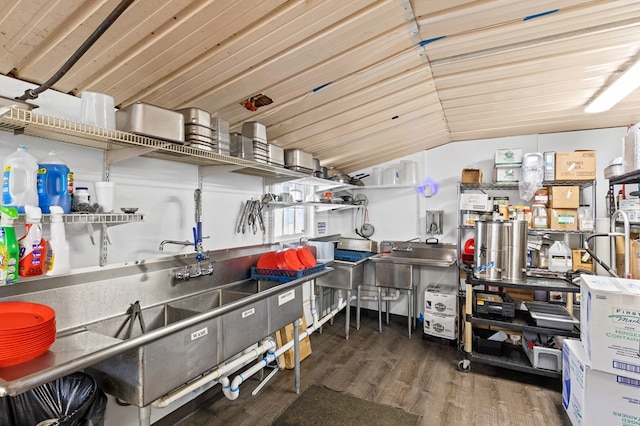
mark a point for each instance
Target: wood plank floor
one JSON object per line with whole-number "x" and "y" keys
{"x": 417, "y": 375}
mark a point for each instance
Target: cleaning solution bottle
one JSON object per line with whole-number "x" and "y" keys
{"x": 54, "y": 181}
{"x": 58, "y": 262}
{"x": 19, "y": 185}
{"x": 560, "y": 257}
{"x": 32, "y": 246}
{"x": 9, "y": 252}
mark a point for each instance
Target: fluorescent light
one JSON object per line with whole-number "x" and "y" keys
{"x": 627, "y": 83}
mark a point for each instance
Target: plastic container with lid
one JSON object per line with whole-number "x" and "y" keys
{"x": 585, "y": 218}
{"x": 82, "y": 195}
{"x": 19, "y": 186}
{"x": 55, "y": 183}
{"x": 543, "y": 257}
{"x": 539, "y": 216}
{"x": 541, "y": 197}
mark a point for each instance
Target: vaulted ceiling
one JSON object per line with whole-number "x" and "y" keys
{"x": 356, "y": 82}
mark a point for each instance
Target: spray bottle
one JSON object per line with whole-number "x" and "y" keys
{"x": 58, "y": 262}
{"x": 9, "y": 252}
{"x": 32, "y": 245}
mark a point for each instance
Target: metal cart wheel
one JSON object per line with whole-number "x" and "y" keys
{"x": 464, "y": 365}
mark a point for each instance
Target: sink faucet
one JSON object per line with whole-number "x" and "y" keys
{"x": 199, "y": 271}
{"x": 180, "y": 243}
{"x": 403, "y": 246}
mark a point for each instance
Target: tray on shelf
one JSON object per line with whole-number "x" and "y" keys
{"x": 283, "y": 275}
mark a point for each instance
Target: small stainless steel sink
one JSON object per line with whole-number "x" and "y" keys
{"x": 418, "y": 254}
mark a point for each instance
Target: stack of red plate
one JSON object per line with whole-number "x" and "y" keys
{"x": 27, "y": 330}
{"x": 288, "y": 259}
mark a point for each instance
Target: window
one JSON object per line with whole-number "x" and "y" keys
{"x": 290, "y": 222}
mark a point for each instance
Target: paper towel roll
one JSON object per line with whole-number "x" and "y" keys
{"x": 602, "y": 244}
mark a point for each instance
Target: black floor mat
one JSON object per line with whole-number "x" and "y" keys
{"x": 319, "y": 405}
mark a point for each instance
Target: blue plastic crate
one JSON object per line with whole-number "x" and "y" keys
{"x": 351, "y": 255}
{"x": 283, "y": 275}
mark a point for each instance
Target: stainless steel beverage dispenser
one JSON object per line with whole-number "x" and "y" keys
{"x": 514, "y": 255}
{"x": 488, "y": 250}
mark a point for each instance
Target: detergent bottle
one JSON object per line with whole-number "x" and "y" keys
{"x": 55, "y": 183}
{"x": 32, "y": 246}
{"x": 8, "y": 246}
{"x": 20, "y": 176}
{"x": 58, "y": 262}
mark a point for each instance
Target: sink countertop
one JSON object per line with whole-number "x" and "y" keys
{"x": 77, "y": 349}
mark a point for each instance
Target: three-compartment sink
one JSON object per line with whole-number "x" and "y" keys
{"x": 142, "y": 375}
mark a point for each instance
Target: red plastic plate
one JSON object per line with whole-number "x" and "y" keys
{"x": 15, "y": 316}
{"x": 306, "y": 257}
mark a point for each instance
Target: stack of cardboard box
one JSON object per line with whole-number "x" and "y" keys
{"x": 601, "y": 373}
{"x": 507, "y": 165}
{"x": 441, "y": 311}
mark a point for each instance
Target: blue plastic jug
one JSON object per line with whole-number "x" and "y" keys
{"x": 54, "y": 181}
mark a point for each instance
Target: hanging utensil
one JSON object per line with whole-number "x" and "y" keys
{"x": 197, "y": 230}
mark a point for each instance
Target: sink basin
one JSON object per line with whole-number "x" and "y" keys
{"x": 419, "y": 254}
{"x": 140, "y": 376}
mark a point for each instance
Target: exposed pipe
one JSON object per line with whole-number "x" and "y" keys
{"x": 265, "y": 345}
{"x": 231, "y": 388}
{"x": 109, "y": 20}
{"x": 393, "y": 297}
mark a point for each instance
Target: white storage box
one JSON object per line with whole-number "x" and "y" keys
{"x": 506, "y": 174}
{"x": 610, "y": 324}
{"x": 476, "y": 202}
{"x": 510, "y": 156}
{"x": 441, "y": 300}
{"x": 445, "y": 326}
{"x": 631, "y": 149}
{"x": 594, "y": 398}
{"x": 543, "y": 358}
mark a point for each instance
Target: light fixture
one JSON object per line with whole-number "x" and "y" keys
{"x": 624, "y": 85}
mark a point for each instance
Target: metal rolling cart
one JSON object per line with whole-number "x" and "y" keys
{"x": 520, "y": 322}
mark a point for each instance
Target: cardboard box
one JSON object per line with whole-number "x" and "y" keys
{"x": 577, "y": 165}
{"x": 629, "y": 204}
{"x": 631, "y": 149}
{"x": 441, "y": 300}
{"x": 563, "y": 219}
{"x": 510, "y": 156}
{"x": 610, "y": 324}
{"x": 445, "y": 326}
{"x": 592, "y": 397}
{"x": 284, "y": 336}
{"x": 520, "y": 294}
{"x": 471, "y": 176}
{"x": 582, "y": 260}
{"x": 564, "y": 197}
{"x": 475, "y": 201}
{"x": 508, "y": 174}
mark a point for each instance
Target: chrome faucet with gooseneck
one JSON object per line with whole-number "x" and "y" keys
{"x": 200, "y": 270}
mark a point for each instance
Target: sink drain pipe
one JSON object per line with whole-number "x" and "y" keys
{"x": 264, "y": 345}
{"x": 394, "y": 296}
{"x": 231, "y": 389}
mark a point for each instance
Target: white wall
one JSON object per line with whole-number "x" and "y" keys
{"x": 395, "y": 212}
{"x": 162, "y": 190}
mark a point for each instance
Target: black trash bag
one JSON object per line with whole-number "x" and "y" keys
{"x": 75, "y": 400}
{"x": 6, "y": 417}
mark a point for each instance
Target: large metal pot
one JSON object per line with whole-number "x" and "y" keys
{"x": 488, "y": 251}
{"x": 342, "y": 178}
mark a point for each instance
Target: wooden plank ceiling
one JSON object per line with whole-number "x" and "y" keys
{"x": 355, "y": 83}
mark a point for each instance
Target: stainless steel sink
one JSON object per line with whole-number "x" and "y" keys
{"x": 141, "y": 375}
{"x": 419, "y": 254}
{"x": 145, "y": 373}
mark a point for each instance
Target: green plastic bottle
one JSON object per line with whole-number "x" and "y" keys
{"x": 9, "y": 250}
